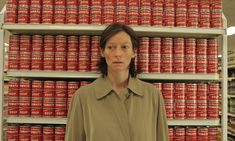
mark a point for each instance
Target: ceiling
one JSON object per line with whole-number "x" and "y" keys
{"x": 228, "y": 10}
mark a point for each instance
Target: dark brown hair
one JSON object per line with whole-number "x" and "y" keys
{"x": 110, "y": 31}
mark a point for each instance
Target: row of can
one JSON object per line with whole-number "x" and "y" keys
{"x": 202, "y": 4}
{"x": 189, "y": 91}
{"x": 83, "y": 44}
{"x": 194, "y": 133}
{"x": 142, "y": 13}
{"x": 26, "y": 132}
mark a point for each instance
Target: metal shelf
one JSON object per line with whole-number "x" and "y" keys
{"x": 231, "y": 96}
{"x": 92, "y": 29}
{"x": 231, "y": 66}
{"x": 231, "y": 78}
{"x": 194, "y": 122}
{"x": 36, "y": 120}
{"x": 43, "y": 120}
{"x": 231, "y": 115}
{"x": 147, "y": 76}
{"x": 230, "y": 133}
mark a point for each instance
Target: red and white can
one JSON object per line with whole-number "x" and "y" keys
{"x": 201, "y": 91}
{"x": 157, "y": 16}
{"x": 60, "y": 61}
{"x": 133, "y": 14}
{"x": 48, "y": 132}
{"x": 25, "y": 88}
{"x": 49, "y": 61}
{"x": 179, "y": 133}
{"x": 60, "y": 89}
{"x": 179, "y": 91}
{"x": 190, "y": 64}
{"x": 190, "y": 91}
{"x": 12, "y": 132}
{"x": 169, "y": 107}
{"x": 213, "y": 91}
{"x": 59, "y": 133}
{"x": 49, "y": 89}
{"x": 95, "y": 14}
{"x": 14, "y": 43}
{"x": 13, "y": 88}
{"x": 36, "y": 132}
{"x": 191, "y": 134}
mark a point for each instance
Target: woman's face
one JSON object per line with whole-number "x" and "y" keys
{"x": 118, "y": 52}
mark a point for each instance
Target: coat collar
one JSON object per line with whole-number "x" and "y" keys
{"x": 103, "y": 87}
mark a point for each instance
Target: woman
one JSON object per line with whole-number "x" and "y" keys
{"x": 117, "y": 106}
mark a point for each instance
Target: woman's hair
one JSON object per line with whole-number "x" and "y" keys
{"x": 110, "y": 31}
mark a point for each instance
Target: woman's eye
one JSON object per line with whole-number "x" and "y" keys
{"x": 125, "y": 47}
{"x": 109, "y": 47}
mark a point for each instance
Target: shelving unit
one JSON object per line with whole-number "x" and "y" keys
{"x": 184, "y": 122}
{"x": 148, "y": 76}
{"x": 141, "y": 31}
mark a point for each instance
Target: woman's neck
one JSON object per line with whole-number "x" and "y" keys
{"x": 119, "y": 81}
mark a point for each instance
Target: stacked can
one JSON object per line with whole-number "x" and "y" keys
{"x": 60, "y": 99}
{"x": 178, "y": 55}
{"x": 95, "y": 53}
{"x": 201, "y": 56}
{"x": 190, "y": 55}
{"x": 107, "y": 11}
{"x": 181, "y": 13}
{"x": 171, "y": 134}
{"x": 11, "y": 11}
{"x": 133, "y": 12}
{"x": 24, "y": 98}
{"x": 48, "y": 99}
{"x": 201, "y": 101}
{"x": 37, "y": 52}
{"x": 202, "y": 134}
{"x": 192, "y": 13}
{"x": 143, "y": 55}
{"x": 59, "y": 11}
{"x": 179, "y": 100}
{"x": 49, "y": 53}
{"x": 37, "y": 98}
{"x": 155, "y": 55}
{"x": 212, "y": 53}
{"x": 96, "y": 12}
{"x": 213, "y": 101}
{"x": 166, "y": 55}
{"x": 71, "y": 11}
{"x": 84, "y": 53}
{"x": 204, "y": 13}
{"x": 179, "y": 134}
{"x": 83, "y": 12}
{"x": 24, "y": 132}
{"x": 13, "y": 98}
{"x": 48, "y": 133}
{"x": 72, "y": 54}
{"x": 72, "y": 88}
{"x": 47, "y": 11}
{"x": 25, "y": 52}
{"x": 190, "y": 97}
{"x": 216, "y": 14}
{"x": 36, "y": 132}
{"x": 35, "y": 12}
{"x": 169, "y": 13}
{"x": 59, "y": 133}
{"x": 213, "y": 133}
{"x": 12, "y": 132}
{"x": 121, "y": 11}
{"x": 23, "y": 11}
{"x": 157, "y": 12}
{"x": 191, "y": 134}
{"x": 60, "y": 52}
{"x": 13, "y": 55}
{"x": 167, "y": 93}
{"x": 145, "y": 13}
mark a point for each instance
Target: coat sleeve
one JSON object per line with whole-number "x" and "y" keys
{"x": 162, "y": 126}
{"x": 75, "y": 122}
